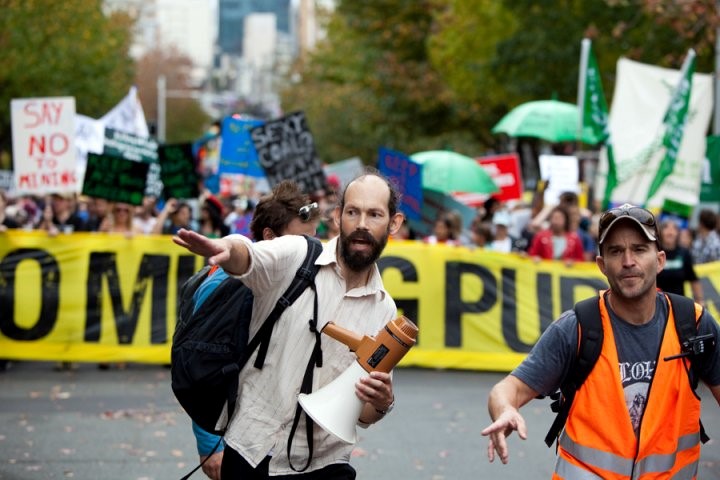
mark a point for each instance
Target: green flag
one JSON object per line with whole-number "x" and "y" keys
{"x": 594, "y": 112}
{"x": 674, "y": 123}
{"x": 710, "y": 177}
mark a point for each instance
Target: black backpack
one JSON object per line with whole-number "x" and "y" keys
{"x": 590, "y": 345}
{"x": 211, "y": 345}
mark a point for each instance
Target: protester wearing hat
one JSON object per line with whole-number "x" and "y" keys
{"x": 502, "y": 241}
{"x": 212, "y": 217}
{"x": 618, "y": 427}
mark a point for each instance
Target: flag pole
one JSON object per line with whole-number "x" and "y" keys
{"x": 582, "y": 80}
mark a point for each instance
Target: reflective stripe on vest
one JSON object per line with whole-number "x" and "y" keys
{"x": 599, "y": 440}
{"x": 623, "y": 466}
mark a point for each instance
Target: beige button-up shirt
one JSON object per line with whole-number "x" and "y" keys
{"x": 268, "y": 397}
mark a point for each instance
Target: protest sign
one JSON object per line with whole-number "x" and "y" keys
{"x": 177, "y": 171}
{"x": 138, "y": 149}
{"x": 407, "y": 176}
{"x": 237, "y": 151}
{"x": 130, "y": 147}
{"x": 43, "y": 147}
{"x": 562, "y": 174}
{"x": 504, "y": 169}
{"x": 286, "y": 151}
{"x": 115, "y": 179}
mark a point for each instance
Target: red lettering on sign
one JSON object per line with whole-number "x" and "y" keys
{"x": 56, "y": 144}
{"x": 45, "y": 112}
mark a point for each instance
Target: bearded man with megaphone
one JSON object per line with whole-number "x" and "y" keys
{"x": 267, "y": 435}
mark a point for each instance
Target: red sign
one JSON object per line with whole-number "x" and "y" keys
{"x": 505, "y": 171}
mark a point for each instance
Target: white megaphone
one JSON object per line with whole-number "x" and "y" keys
{"x": 336, "y": 407}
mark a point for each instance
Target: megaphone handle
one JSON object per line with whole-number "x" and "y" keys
{"x": 342, "y": 335}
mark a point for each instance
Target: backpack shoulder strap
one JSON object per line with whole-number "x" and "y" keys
{"x": 686, "y": 319}
{"x": 590, "y": 340}
{"x": 304, "y": 277}
{"x": 185, "y": 304}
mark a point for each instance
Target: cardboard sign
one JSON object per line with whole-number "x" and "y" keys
{"x": 177, "y": 171}
{"x": 115, "y": 179}
{"x": 43, "y": 130}
{"x": 286, "y": 151}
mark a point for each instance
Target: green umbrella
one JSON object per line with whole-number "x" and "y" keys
{"x": 447, "y": 172}
{"x": 549, "y": 120}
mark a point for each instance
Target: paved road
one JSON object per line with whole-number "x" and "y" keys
{"x": 125, "y": 424}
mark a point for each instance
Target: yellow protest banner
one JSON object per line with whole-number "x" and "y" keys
{"x": 104, "y": 297}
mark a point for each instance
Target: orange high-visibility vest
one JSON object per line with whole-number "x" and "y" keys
{"x": 599, "y": 442}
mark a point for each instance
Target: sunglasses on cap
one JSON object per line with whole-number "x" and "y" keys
{"x": 642, "y": 217}
{"x": 305, "y": 212}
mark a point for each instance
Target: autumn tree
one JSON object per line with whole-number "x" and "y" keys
{"x": 185, "y": 117}
{"x": 68, "y": 48}
{"x": 695, "y": 23}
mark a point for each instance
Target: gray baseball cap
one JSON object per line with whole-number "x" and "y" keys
{"x": 641, "y": 217}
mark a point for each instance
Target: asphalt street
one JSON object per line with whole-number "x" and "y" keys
{"x": 126, "y": 424}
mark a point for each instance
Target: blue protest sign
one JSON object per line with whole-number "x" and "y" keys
{"x": 237, "y": 153}
{"x": 407, "y": 175}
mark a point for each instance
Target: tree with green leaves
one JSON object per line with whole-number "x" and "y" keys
{"x": 68, "y": 48}
{"x": 372, "y": 83}
{"x": 434, "y": 74}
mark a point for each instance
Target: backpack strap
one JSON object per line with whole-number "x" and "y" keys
{"x": 304, "y": 277}
{"x": 185, "y": 304}
{"x": 590, "y": 340}
{"x": 316, "y": 360}
{"x": 686, "y": 319}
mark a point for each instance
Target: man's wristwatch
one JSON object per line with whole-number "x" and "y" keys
{"x": 388, "y": 409}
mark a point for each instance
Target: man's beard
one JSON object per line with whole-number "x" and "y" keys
{"x": 359, "y": 261}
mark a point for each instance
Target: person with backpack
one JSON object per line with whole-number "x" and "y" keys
{"x": 286, "y": 210}
{"x": 628, "y": 404}
{"x": 264, "y": 437}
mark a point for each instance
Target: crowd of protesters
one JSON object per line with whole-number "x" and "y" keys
{"x": 565, "y": 231}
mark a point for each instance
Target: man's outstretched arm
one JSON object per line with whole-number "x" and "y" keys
{"x": 504, "y": 403}
{"x": 231, "y": 252}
